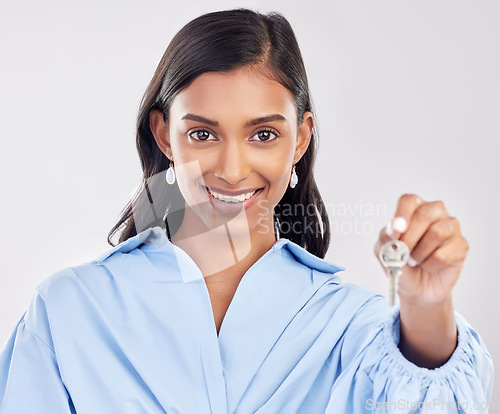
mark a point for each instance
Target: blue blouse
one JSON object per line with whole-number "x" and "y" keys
{"x": 127, "y": 334}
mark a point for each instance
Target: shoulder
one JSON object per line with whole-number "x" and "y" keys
{"x": 96, "y": 282}
{"x": 150, "y": 238}
{"x": 351, "y": 299}
{"x": 146, "y": 241}
{"x": 288, "y": 248}
{"x": 318, "y": 266}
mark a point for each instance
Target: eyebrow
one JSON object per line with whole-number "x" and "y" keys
{"x": 252, "y": 122}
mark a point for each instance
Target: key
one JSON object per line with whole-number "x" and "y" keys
{"x": 394, "y": 255}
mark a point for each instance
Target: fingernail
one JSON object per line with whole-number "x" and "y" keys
{"x": 412, "y": 262}
{"x": 399, "y": 224}
{"x": 388, "y": 230}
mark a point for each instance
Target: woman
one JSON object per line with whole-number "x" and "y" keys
{"x": 217, "y": 298}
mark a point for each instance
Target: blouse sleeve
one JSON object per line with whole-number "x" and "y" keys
{"x": 378, "y": 378}
{"x": 30, "y": 381}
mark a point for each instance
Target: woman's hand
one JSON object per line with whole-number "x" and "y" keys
{"x": 437, "y": 254}
{"x": 437, "y": 249}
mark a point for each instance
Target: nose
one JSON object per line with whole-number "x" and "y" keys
{"x": 232, "y": 164}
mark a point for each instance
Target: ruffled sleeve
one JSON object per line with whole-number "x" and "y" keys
{"x": 380, "y": 379}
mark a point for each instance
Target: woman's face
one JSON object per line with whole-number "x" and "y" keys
{"x": 233, "y": 134}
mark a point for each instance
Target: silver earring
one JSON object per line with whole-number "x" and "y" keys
{"x": 293, "y": 179}
{"x": 170, "y": 174}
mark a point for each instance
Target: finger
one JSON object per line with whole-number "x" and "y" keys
{"x": 451, "y": 253}
{"x": 423, "y": 217}
{"x": 436, "y": 235}
{"x": 407, "y": 204}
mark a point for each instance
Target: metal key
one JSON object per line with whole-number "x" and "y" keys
{"x": 394, "y": 255}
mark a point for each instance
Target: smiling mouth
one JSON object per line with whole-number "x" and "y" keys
{"x": 232, "y": 199}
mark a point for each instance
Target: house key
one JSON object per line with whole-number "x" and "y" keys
{"x": 394, "y": 255}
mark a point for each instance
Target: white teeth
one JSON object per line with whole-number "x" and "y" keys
{"x": 235, "y": 199}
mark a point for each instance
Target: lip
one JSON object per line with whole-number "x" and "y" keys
{"x": 231, "y": 208}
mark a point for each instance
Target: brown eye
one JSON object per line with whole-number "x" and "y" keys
{"x": 200, "y": 135}
{"x": 266, "y": 135}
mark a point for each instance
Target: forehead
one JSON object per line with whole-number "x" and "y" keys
{"x": 245, "y": 92}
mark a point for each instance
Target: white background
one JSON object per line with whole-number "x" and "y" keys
{"x": 407, "y": 97}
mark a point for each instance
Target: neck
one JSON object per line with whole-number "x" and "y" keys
{"x": 222, "y": 254}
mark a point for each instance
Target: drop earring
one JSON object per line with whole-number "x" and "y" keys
{"x": 293, "y": 179}
{"x": 170, "y": 176}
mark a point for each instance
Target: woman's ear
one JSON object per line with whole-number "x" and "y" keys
{"x": 160, "y": 132}
{"x": 304, "y": 134}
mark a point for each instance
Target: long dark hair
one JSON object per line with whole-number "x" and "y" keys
{"x": 224, "y": 41}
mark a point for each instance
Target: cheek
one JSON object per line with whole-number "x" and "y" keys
{"x": 276, "y": 165}
{"x": 180, "y": 149}
{"x": 184, "y": 151}
{"x": 276, "y": 174}
{"x": 188, "y": 173}
{"x": 190, "y": 165}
